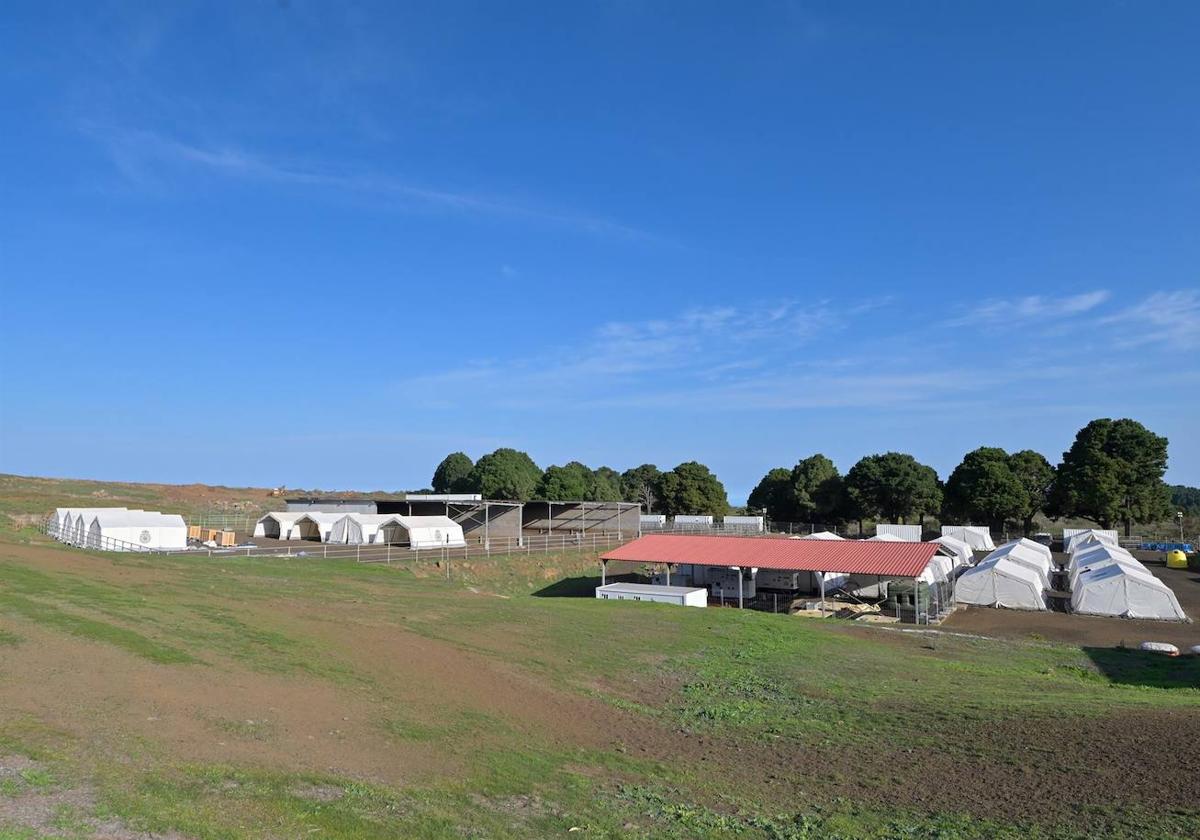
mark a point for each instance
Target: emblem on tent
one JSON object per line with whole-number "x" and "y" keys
{"x": 145, "y": 536}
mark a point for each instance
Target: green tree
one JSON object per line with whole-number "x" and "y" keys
{"x": 605, "y": 485}
{"x": 1113, "y": 473}
{"x": 892, "y": 485}
{"x": 640, "y": 485}
{"x": 984, "y": 489}
{"x": 691, "y": 488}
{"x": 506, "y": 474}
{"x": 1184, "y": 498}
{"x": 817, "y": 490}
{"x": 1037, "y": 477}
{"x": 569, "y": 482}
{"x": 453, "y": 475}
{"x": 773, "y": 493}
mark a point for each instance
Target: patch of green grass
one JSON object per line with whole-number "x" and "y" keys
{"x": 37, "y": 777}
{"x": 7, "y": 638}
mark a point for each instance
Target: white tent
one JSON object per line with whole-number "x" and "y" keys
{"x": 77, "y": 530}
{"x": 964, "y": 556}
{"x": 1037, "y": 548}
{"x": 360, "y": 528}
{"x": 1100, "y": 555}
{"x": 424, "y": 532}
{"x": 820, "y": 535}
{"x": 64, "y": 522}
{"x": 1121, "y": 590}
{"x": 128, "y": 530}
{"x": 314, "y": 525}
{"x": 886, "y": 538}
{"x": 906, "y": 533}
{"x": 1028, "y": 557}
{"x": 1001, "y": 582}
{"x": 277, "y": 524}
{"x": 976, "y": 536}
{"x": 1079, "y": 536}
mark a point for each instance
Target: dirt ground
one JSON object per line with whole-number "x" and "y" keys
{"x": 1085, "y": 630}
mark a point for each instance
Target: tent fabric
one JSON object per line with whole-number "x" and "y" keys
{"x": 1095, "y": 552}
{"x": 1001, "y": 582}
{"x": 433, "y": 531}
{"x": 1037, "y": 548}
{"x": 128, "y": 530}
{"x": 1117, "y": 589}
{"x": 66, "y": 522}
{"x": 1074, "y": 536}
{"x": 360, "y": 528}
{"x": 314, "y": 524}
{"x": 820, "y": 535}
{"x": 1022, "y": 554}
{"x": 963, "y": 553}
{"x": 888, "y": 538}
{"x": 976, "y": 536}
{"x": 282, "y": 520}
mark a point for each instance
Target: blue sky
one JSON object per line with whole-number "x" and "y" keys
{"x": 325, "y": 244}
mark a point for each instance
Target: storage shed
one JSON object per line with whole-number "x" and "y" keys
{"x": 976, "y": 536}
{"x": 1001, "y": 582}
{"x": 683, "y": 596}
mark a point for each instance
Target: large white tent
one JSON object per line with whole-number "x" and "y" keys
{"x": 128, "y": 530}
{"x": 1126, "y": 591}
{"x": 83, "y": 522}
{"x": 361, "y": 528}
{"x": 65, "y": 522}
{"x": 421, "y": 532}
{"x": 820, "y": 535}
{"x": 277, "y": 524}
{"x": 976, "y": 536}
{"x": 314, "y": 525}
{"x": 1001, "y": 582}
{"x": 1017, "y": 552}
{"x": 887, "y": 538}
{"x": 964, "y": 555}
{"x": 1073, "y": 537}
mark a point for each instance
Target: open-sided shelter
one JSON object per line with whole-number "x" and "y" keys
{"x": 277, "y": 524}
{"x": 314, "y": 525}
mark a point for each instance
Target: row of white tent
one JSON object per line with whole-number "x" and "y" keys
{"x": 118, "y": 529}
{"x": 1016, "y": 576}
{"x": 417, "y": 532}
{"x": 942, "y": 567}
{"x": 1105, "y": 579}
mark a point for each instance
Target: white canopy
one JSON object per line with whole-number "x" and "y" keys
{"x": 963, "y": 554}
{"x": 277, "y": 524}
{"x": 1119, "y": 589}
{"x": 976, "y": 536}
{"x": 360, "y": 528}
{"x": 314, "y": 525}
{"x": 820, "y": 535}
{"x": 1017, "y": 552}
{"x": 1073, "y": 537}
{"x": 126, "y": 530}
{"x": 1001, "y": 582}
{"x": 429, "y": 532}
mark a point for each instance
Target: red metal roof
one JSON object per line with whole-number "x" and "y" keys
{"x": 863, "y": 557}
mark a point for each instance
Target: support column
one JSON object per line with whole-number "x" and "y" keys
{"x": 821, "y": 579}
{"x": 668, "y": 574}
{"x": 603, "y": 571}
{"x": 740, "y": 596}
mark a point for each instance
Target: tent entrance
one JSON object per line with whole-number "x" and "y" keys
{"x": 306, "y": 529}
{"x": 392, "y": 534}
{"x": 271, "y": 528}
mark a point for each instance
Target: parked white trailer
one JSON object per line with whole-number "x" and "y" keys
{"x": 684, "y": 596}
{"x": 976, "y": 536}
{"x": 752, "y": 524}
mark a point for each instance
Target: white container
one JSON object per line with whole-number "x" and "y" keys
{"x": 744, "y": 523}
{"x": 908, "y": 533}
{"x": 683, "y": 596}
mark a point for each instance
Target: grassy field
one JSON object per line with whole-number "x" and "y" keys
{"x": 261, "y": 697}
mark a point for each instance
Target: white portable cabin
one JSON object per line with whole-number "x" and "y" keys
{"x": 1028, "y": 557}
{"x": 422, "y": 532}
{"x": 360, "y": 528}
{"x": 906, "y": 533}
{"x": 1081, "y": 535}
{"x": 819, "y": 535}
{"x": 689, "y": 522}
{"x": 128, "y": 530}
{"x": 314, "y": 525}
{"x": 1001, "y": 582}
{"x": 1124, "y": 591}
{"x": 653, "y": 520}
{"x": 756, "y": 524}
{"x": 964, "y": 555}
{"x": 684, "y": 596}
{"x": 976, "y": 536}
{"x": 277, "y": 524}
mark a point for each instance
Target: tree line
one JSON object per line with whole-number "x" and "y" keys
{"x": 690, "y": 487}
{"x": 1111, "y": 475}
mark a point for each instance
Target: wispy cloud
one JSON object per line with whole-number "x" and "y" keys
{"x": 1168, "y": 318}
{"x": 996, "y": 311}
{"x": 146, "y": 156}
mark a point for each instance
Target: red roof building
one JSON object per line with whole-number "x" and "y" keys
{"x": 855, "y": 557}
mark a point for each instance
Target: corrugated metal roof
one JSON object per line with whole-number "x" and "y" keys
{"x": 887, "y": 559}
